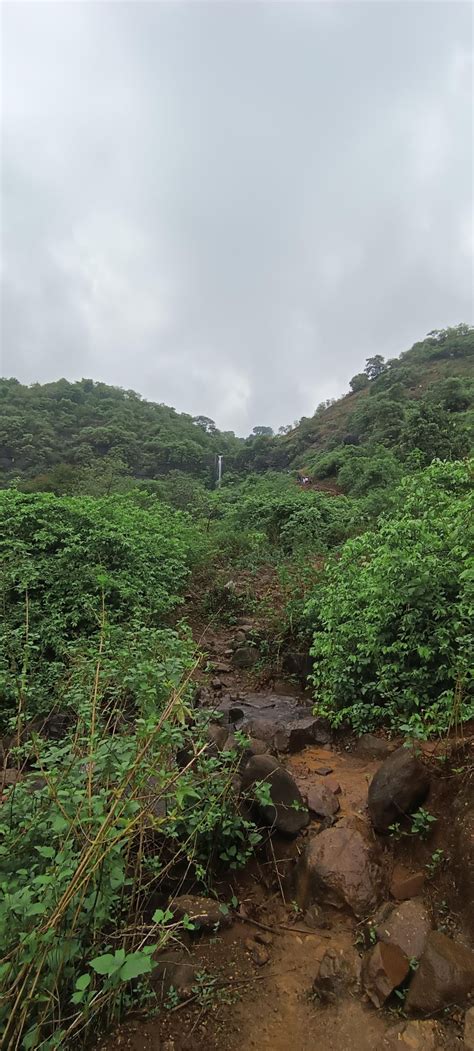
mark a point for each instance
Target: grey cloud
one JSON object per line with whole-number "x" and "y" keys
{"x": 228, "y": 207}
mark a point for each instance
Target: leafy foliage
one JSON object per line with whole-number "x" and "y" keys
{"x": 393, "y": 614}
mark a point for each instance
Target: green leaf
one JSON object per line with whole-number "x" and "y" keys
{"x": 135, "y": 964}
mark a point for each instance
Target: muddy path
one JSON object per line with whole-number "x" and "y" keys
{"x": 255, "y": 980}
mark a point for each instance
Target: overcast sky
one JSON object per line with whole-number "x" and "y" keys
{"x": 229, "y": 206}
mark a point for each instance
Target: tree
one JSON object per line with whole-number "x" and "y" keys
{"x": 263, "y": 432}
{"x": 206, "y": 423}
{"x": 375, "y": 366}
{"x": 359, "y": 381}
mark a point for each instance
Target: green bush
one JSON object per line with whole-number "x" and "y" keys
{"x": 65, "y": 558}
{"x": 393, "y": 614}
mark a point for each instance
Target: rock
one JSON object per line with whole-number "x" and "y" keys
{"x": 414, "y": 1036}
{"x": 259, "y": 953}
{"x": 216, "y": 684}
{"x": 384, "y": 968}
{"x": 205, "y": 913}
{"x": 323, "y": 771}
{"x": 469, "y": 1030}
{"x": 406, "y": 884}
{"x": 462, "y": 857}
{"x": 334, "y": 785}
{"x": 399, "y": 785}
{"x": 445, "y": 976}
{"x": 9, "y": 777}
{"x": 322, "y": 801}
{"x": 173, "y": 971}
{"x": 407, "y": 926}
{"x": 245, "y": 656}
{"x": 253, "y": 747}
{"x": 287, "y": 813}
{"x": 339, "y": 968}
{"x": 217, "y": 734}
{"x": 222, "y": 668}
{"x": 281, "y": 721}
{"x": 340, "y": 867}
{"x": 371, "y": 747}
{"x": 264, "y": 937}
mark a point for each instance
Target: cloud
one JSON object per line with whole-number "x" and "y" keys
{"x": 228, "y": 207}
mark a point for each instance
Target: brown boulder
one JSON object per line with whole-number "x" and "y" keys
{"x": 322, "y": 801}
{"x": 341, "y": 867}
{"x": 384, "y": 968}
{"x": 445, "y": 976}
{"x": 205, "y": 913}
{"x": 399, "y": 786}
{"x": 407, "y": 926}
{"x": 287, "y": 812}
{"x": 371, "y": 747}
{"x": 406, "y": 884}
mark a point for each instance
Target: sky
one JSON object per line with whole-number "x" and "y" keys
{"x": 229, "y": 206}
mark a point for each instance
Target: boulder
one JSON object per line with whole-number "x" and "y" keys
{"x": 469, "y": 1030}
{"x": 407, "y": 926}
{"x": 398, "y": 787}
{"x": 205, "y": 913}
{"x": 339, "y": 969}
{"x": 280, "y": 721}
{"x": 173, "y": 970}
{"x": 322, "y": 801}
{"x": 245, "y": 656}
{"x": 384, "y": 968}
{"x": 340, "y": 867}
{"x": 406, "y": 884}
{"x": 445, "y": 976}
{"x": 287, "y": 813}
{"x": 371, "y": 747}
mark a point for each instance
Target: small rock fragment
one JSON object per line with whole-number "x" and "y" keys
{"x": 205, "y": 913}
{"x": 264, "y": 937}
{"x": 406, "y": 884}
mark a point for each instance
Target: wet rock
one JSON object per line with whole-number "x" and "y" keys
{"x": 287, "y": 813}
{"x": 469, "y": 1030}
{"x": 445, "y": 976}
{"x": 398, "y": 787}
{"x": 407, "y": 926}
{"x": 413, "y": 1036}
{"x": 384, "y": 968}
{"x": 245, "y": 656}
{"x": 205, "y": 913}
{"x": 259, "y": 953}
{"x": 406, "y": 884}
{"x": 340, "y": 867}
{"x": 371, "y": 747}
{"x": 339, "y": 969}
{"x": 281, "y": 721}
{"x": 322, "y": 801}
{"x": 173, "y": 970}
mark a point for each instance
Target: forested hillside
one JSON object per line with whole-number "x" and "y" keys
{"x": 65, "y": 436}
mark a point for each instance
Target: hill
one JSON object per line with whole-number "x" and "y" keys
{"x": 53, "y": 434}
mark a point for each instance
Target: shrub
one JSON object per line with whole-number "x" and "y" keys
{"x": 393, "y": 613}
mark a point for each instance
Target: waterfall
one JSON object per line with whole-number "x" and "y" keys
{"x": 219, "y": 470}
